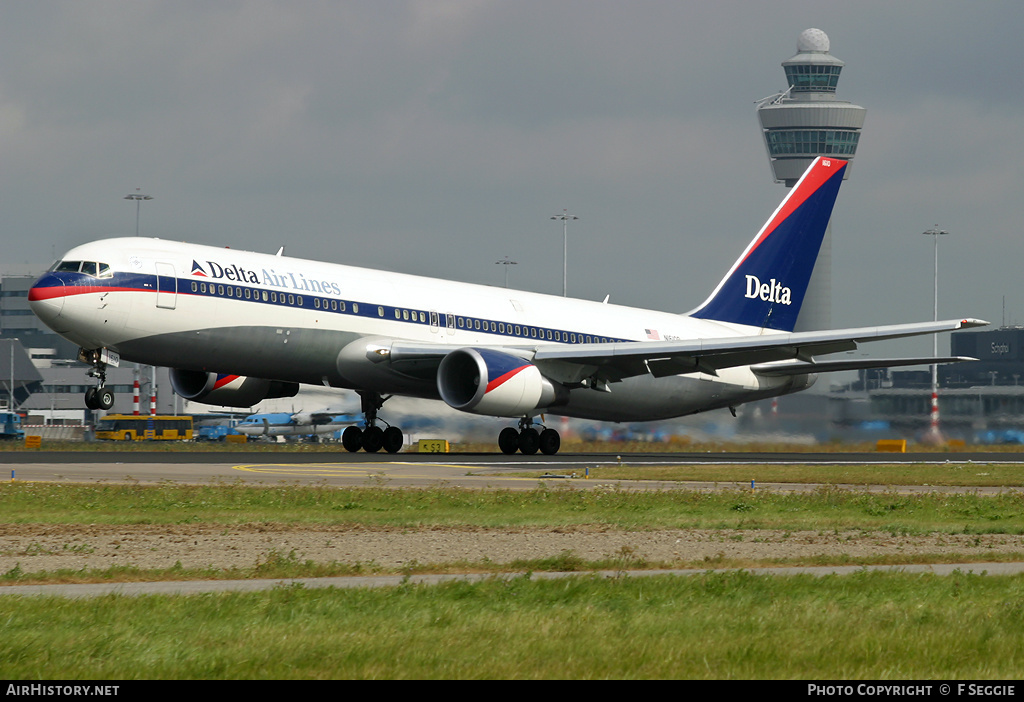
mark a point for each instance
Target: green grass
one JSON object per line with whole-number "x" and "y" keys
{"x": 236, "y": 503}
{"x": 872, "y": 626}
{"x": 713, "y": 625}
{"x": 954, "y": 474}
{"x": 827, "y": 510}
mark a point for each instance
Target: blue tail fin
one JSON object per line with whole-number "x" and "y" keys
{"x": 766, "y": 286}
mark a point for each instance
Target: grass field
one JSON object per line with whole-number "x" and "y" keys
{"x": 714, "y": 625}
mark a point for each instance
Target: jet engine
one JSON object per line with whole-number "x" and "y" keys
{"x": 228, "y": 390}
{"x": 485, "y": 381}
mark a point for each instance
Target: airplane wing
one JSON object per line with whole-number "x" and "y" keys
{"x": 804, "y": 367}
{"x": 663, "y": 358}
{"x": 612, "y": 362}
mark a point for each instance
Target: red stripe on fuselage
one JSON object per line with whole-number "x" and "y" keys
{"x": 49, "y": 293}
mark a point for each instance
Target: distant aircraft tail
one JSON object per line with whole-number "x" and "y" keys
{"x": 766, "y": 286}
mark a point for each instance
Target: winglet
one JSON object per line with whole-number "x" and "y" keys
{"x": 766, "y": 286}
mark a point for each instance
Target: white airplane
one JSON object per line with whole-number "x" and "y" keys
{"x": 274, "y": 424}
{"x": 238, "y": 327}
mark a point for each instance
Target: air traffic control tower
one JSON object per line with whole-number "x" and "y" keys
{"x": 801, "y": 123}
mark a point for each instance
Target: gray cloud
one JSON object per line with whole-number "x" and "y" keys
{"x": 436, "y": 137}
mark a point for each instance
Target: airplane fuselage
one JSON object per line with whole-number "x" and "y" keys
{"x": 221, "y": 310}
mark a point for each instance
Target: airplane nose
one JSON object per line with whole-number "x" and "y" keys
{"x": 46, "y": 298}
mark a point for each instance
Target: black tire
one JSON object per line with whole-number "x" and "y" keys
{"x": 104, "y": 398}
{"x": 508, "y": 440}
{"x": 393, "y": 440}
{"x": 90, "y": 399}
{"x": 550, "y": 442}
{"x": 373, "y": 439}
{"x": 529, "y": 441}
{"x": 352, "y": 439}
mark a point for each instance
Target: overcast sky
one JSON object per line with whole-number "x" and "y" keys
{"x": 439, "y": 136}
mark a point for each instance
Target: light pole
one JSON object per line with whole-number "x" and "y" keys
{"x": 138, "y": 205}
{"x": 565, "y": 248}
{"x": 935, "y": 233}
{"x": 506, "y": 262}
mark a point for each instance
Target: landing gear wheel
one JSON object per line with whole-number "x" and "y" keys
{"x": 550, "y": 442}
{"x": 90, "y": 399}
{"x": 352, "y": 439}
{"x": 373, "y": 439}
{"x": 508, "y": 440}
{"x": 529, "y": 441}
{"x": 393, "y": 440}
{"x": 104, "y": 398}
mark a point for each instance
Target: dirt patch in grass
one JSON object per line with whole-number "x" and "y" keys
{"x": 39, "y": 547}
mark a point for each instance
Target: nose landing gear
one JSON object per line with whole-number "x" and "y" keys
{"x": 99, "y": 397}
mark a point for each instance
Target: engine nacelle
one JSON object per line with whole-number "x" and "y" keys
{"x": 485, "y": 381}
{"x": 228, "y": 390}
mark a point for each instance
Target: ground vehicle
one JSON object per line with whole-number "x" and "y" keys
{"x": 10, "y": 425}
{"x": 130, "y": 427}
{"x": 214, "y": 432}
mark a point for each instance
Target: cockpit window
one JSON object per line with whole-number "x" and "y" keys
{"x": 92, "y": 268}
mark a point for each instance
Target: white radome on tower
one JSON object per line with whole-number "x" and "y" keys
{"x": 812, "y": 40}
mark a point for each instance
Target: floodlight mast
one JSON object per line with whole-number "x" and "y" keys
{"x": 138, "y": 198}
{"x": 933, "y": 430}
{"x": 565, "y": 248}
{"x": 506, "y": 262}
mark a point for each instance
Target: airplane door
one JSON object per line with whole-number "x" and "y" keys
{"x": 166, "y": 286}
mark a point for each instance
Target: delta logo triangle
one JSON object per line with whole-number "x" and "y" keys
{"x": 198, "y": 270}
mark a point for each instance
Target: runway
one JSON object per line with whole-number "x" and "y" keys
{"x": 421, "y": 469}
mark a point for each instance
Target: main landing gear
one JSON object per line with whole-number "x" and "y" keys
{"x": 528, "y": 440}
{"x": 99, "y": 397}
{"x": 372, "y": 438}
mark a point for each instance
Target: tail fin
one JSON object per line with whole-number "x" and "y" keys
{"x": 766, "y": 286}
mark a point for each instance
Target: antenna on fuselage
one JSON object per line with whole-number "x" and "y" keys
{"x": 280, "y": 251}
